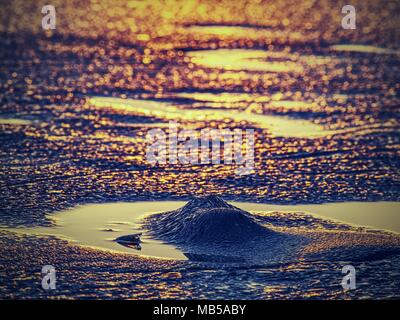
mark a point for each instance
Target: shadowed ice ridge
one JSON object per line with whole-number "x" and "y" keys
{"x": 210, "y": 229}
{"x": 208, "y": 220}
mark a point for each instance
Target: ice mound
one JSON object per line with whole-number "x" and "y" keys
{"x": 208, "y": 229}
{"x": 206, "y": 220}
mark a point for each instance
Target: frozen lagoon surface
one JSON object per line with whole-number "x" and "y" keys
{"x": 325, "y": 107}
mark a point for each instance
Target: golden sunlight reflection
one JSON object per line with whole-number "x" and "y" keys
{"x": 229, "y": 32}
{"x": 97, "y": 225}
{"x": 276, "y": 125}
{"x": 242, "y": 59}
{"x": 377, "y": 215}
{"x": 363, "y": 48}
{"x": 15, "y": 121}
{"x": 223, "y": 97}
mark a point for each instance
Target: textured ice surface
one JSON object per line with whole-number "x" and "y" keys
{"x": 210, "y": 229}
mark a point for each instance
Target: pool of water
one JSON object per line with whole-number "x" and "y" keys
{"x": 13, "y": 121}
{"x": 280, "y": 126}
{"x": 242, "y": 60}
